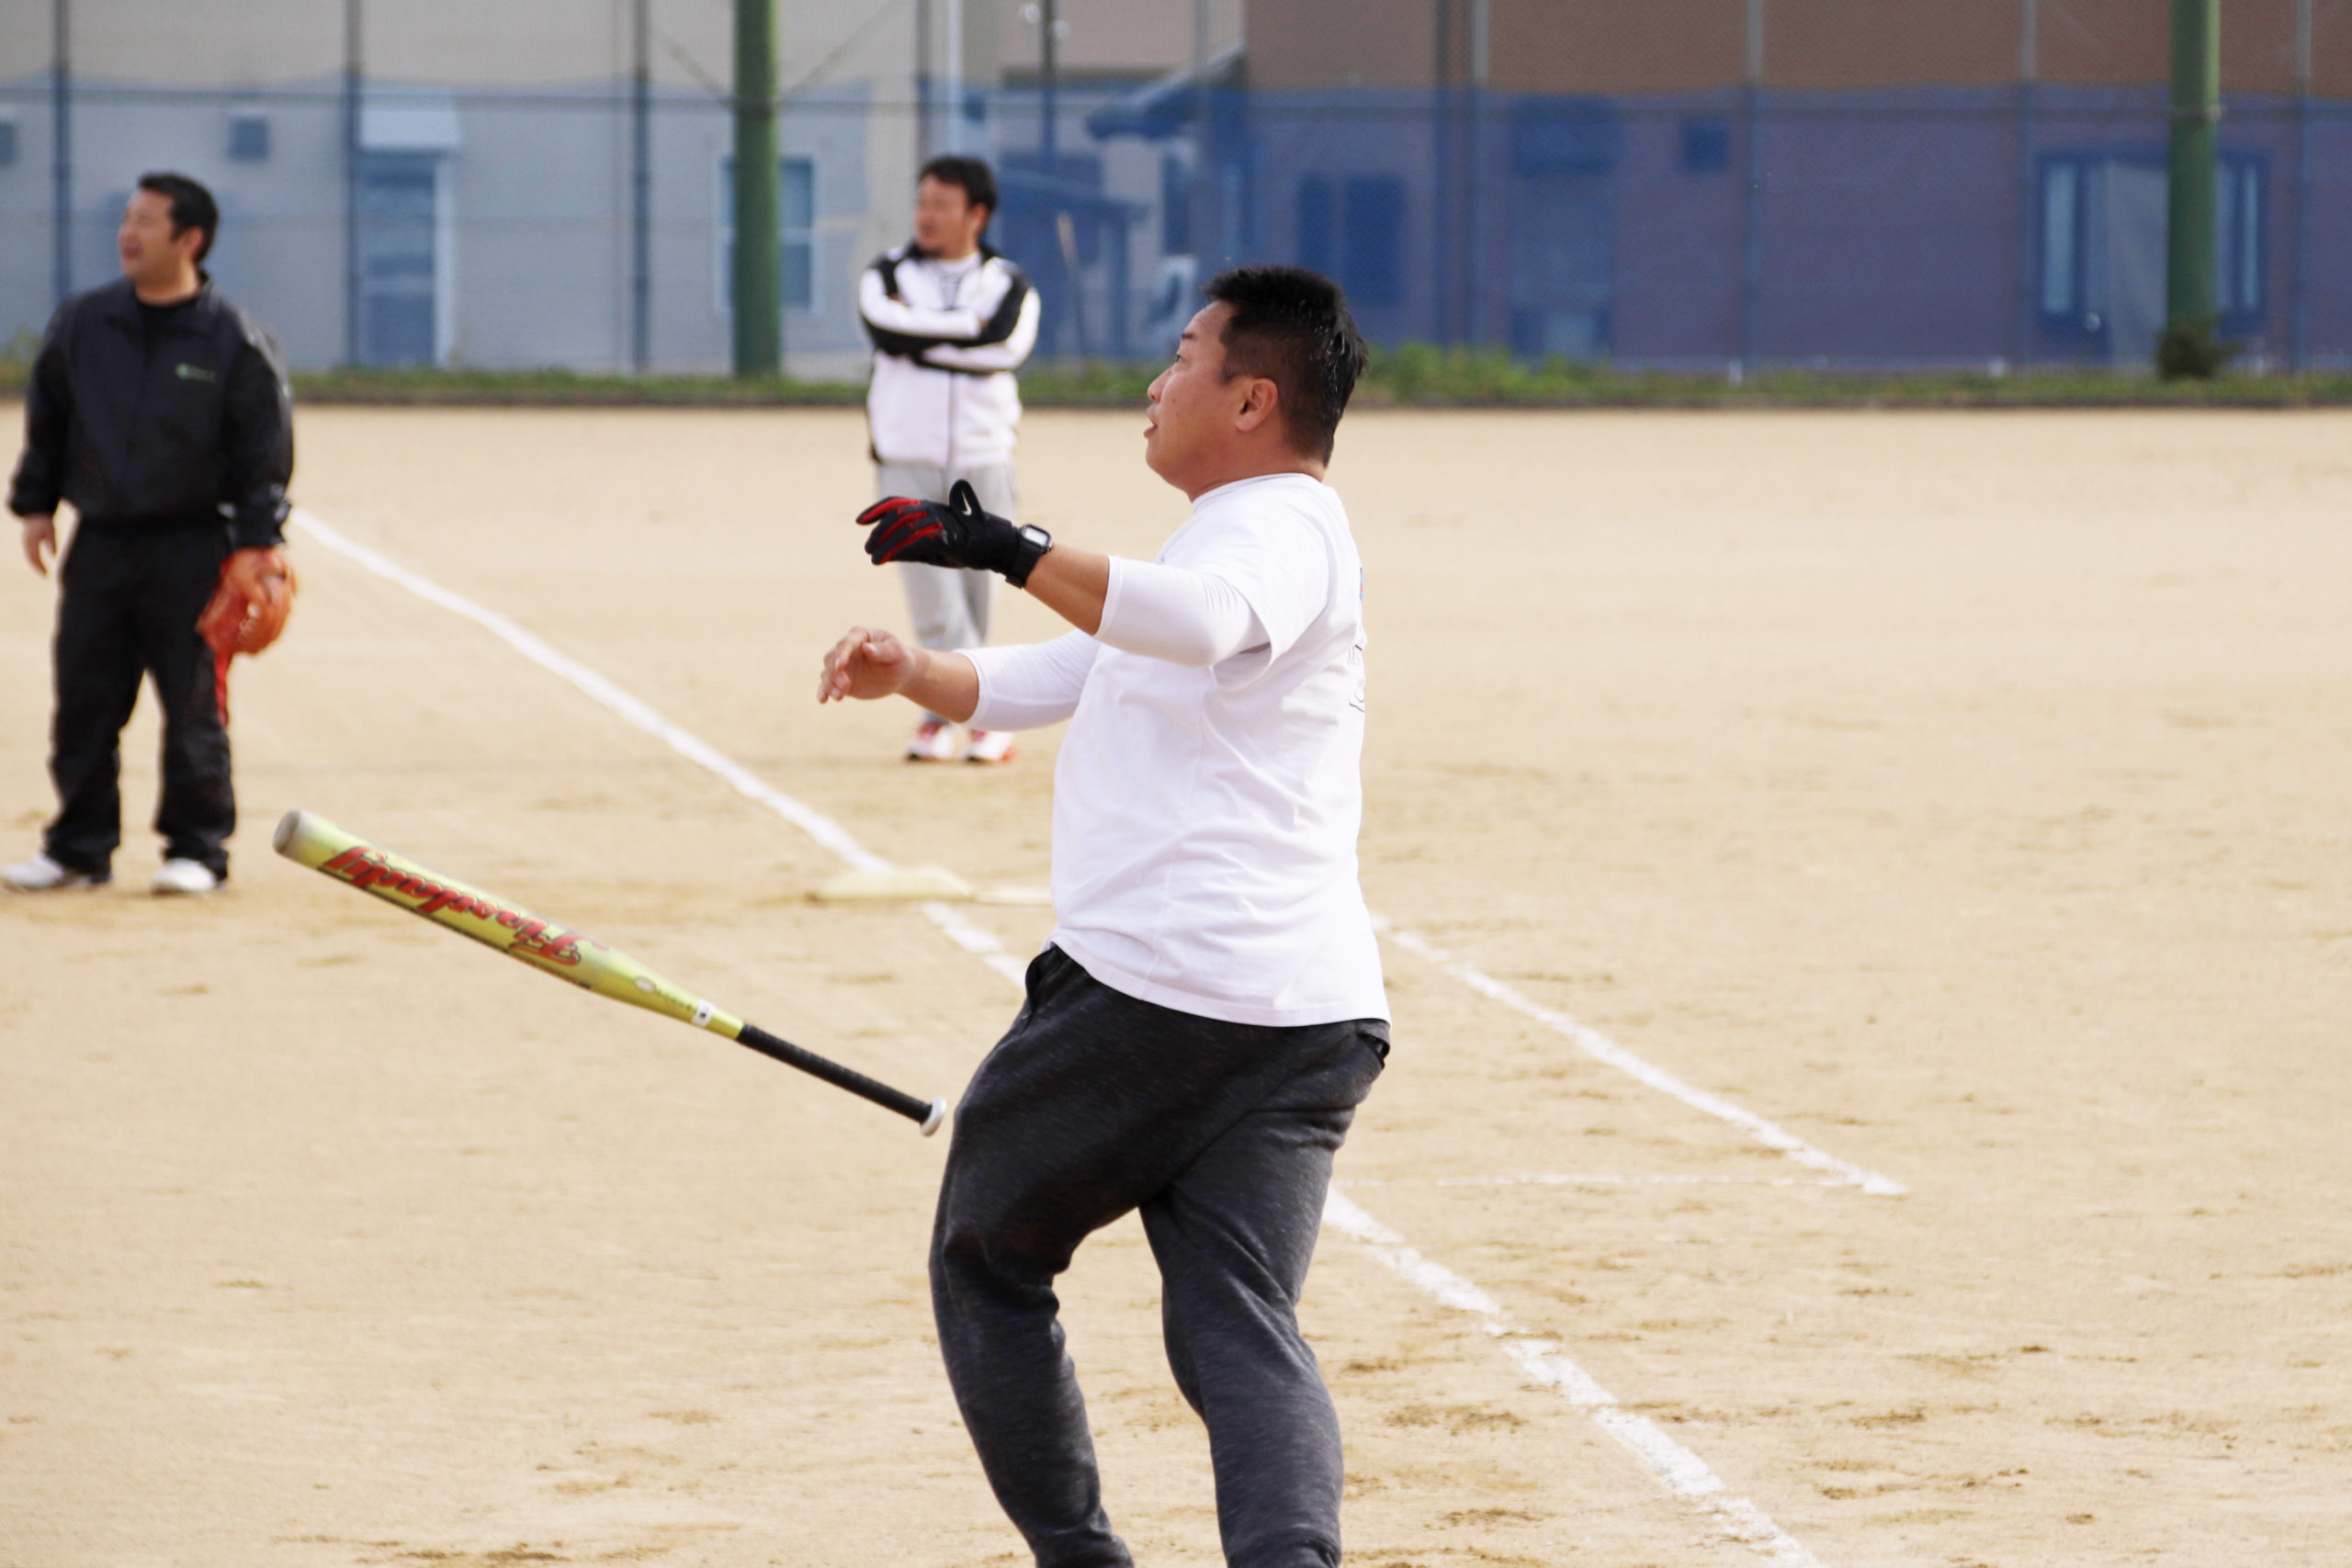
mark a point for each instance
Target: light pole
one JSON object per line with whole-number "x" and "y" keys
{"x": 756, "y": 286}
{"x": 2196, "y": 134}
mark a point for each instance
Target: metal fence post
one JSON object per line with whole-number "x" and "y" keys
{"x": 640, "y": 192}
{"x": 61, "y": 133}
{"x": 1474, "y": 203}
{"x": 1197, "y": 192}
{"x": 354, "y": 282}
{"x": 925, "y": 137}
{"x": 2299, "y": 335}
{"x": 2028, "y": 186}
{"x": 1049, "y": 88}
{"x": 1751, "y": 227}
{"x": 954, "y": 75}
{"x": 1444, "y": 243}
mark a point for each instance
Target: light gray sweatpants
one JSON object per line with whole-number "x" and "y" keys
{"x": 948, "y": 605}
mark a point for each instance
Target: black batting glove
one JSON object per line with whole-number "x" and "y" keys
{"x": 953, "y": 533}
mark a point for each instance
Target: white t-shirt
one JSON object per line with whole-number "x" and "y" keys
{"x": 1205, "y": 818}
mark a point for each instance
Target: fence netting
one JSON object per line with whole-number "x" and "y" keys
{"x": 1728, "y": 187}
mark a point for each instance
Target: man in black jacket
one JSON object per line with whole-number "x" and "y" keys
{"x": 161, "y": 411}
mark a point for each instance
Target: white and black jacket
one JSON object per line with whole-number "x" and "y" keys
{"x": 945, "y": 343}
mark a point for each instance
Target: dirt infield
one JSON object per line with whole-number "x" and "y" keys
{"x": 1964, "y": 795}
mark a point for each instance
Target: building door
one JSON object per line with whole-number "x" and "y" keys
{"x": 1565, "y": 153}
{"x": 1563, "y": 266}
{"x": 400, "y": 278}
{"x": 2126, "y": 259}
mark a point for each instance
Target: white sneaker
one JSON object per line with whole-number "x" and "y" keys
{"x": 42, "y": 874}
{"x": 183, "y": 876}
{"x": 933, "y": 742}
{"x": 988, "y": 746}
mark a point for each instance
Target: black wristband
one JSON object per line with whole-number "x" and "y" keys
{"x": 1030, "y": 546}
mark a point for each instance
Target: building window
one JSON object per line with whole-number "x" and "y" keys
{"x": 2061, "y": 233}
{"x": 1175, "y": 207}
{"x": 797, "y": 208}
{"x": 2239, "y": 213}
{"x": 1353, "y": 229}
{"x": 1372, "y": 240}
{"x": 7, "y": 142}
{"x": 1706, "y": 146}
{"x": 1318, "y": 225}
{"x": 249, "y": 137}
{"x": 1566, "y": 135}
{"x": 795, "y": 233}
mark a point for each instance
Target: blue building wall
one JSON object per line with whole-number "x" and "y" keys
{"x": 1917, "y": 227}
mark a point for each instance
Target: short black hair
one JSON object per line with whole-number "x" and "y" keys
{"x": 1292, "y": 326}
{"x": 192, "y": 206}
{"x": 973, "y": 175}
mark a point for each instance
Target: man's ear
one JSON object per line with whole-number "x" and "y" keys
{"x": 1258, "y": 404}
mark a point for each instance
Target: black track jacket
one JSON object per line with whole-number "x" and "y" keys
{"x": 136, "y": 434}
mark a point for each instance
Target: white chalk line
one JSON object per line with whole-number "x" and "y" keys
{"x": 1596, "y": 1179}
{"x": 833, "y": 835}
{"x": 1602, "y": 1049}
{"x": 1683, "y": 1473}
{"x": 827, "y": 832}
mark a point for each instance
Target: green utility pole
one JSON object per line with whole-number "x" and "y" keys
{"x": 2190, "y": 261}
{"x": 756, "y": 286}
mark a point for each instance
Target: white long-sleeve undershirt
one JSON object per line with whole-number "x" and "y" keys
{"x": 1161, "y": 611}
{"x": 1185, "y": 617}
{"x": 1032, "y": 684}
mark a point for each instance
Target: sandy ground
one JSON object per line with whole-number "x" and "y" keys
{"x": 1967, "y": 795}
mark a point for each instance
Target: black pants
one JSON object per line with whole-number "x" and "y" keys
{"x": 1095, "y": 1104}
{"x": 128, "y": 609}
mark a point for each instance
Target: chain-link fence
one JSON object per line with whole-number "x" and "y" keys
{"x": 1715, "y": 184}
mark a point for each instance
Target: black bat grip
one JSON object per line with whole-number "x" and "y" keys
{"x": 926, "y": 1115}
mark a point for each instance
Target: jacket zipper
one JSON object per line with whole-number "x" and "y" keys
{"x": 955, "y": 292}
{"x": 146, "y": 367}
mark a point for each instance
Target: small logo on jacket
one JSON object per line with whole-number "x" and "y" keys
{"x": 194, "y": 373}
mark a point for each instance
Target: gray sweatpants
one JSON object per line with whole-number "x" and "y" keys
{"x": 948, "y": 605}
{"x": 1094, "y": 1105}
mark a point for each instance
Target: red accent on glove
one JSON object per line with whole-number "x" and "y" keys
{"x": 246, "y": 613}
{"x": 900, "y": 526}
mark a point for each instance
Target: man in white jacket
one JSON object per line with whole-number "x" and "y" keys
{"x": 950, "y": 319}
{"x": 1209, "y": 1009}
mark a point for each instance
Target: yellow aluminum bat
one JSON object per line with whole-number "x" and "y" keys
{"x": 313, "y": 840}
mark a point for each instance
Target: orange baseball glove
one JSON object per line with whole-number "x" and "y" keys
{"x": 247, "y": 612}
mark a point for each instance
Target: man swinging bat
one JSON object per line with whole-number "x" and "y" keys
{"x": 1209, "y": 1009}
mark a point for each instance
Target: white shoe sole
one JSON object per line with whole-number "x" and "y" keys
{"x": 70, "y": 882}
